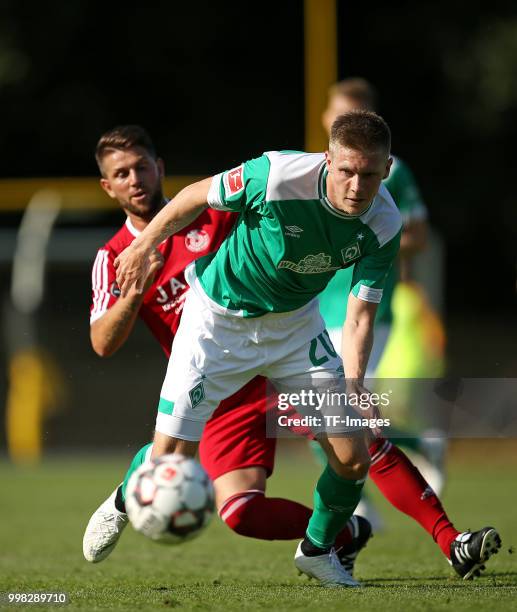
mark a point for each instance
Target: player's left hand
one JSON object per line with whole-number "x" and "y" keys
{"x": 371, "y": 411}
{"x": 133, "y": 267}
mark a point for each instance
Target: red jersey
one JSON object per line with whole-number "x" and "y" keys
{"x": 235, "y": 437}
{"x": 163, "y": 302}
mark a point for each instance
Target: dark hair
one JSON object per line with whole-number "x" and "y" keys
{"x": 358, "y": 89}
{"x": 123, "y": 137}
{"x": 361, "y": 130}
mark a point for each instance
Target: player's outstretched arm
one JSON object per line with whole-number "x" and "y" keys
{"x": 133, "y": 264}
{"x": 357, "y": 338}
{"x": 112, "y": 329}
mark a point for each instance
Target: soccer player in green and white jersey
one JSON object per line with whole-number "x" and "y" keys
{"x": 235, "y": 450}
{"x": 252, "y": 310}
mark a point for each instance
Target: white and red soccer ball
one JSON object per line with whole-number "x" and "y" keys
{"x": 170, "y": 499}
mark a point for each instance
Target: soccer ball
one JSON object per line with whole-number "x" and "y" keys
{"x": 170, "y": 499}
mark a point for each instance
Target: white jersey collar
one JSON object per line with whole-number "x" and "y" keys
{"x": 131, "y": 228}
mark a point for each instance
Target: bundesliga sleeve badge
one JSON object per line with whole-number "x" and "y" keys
{"x": 234, "y": 181}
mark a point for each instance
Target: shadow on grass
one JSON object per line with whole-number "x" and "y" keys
{"x": 490, "y": 581}
{"x": 447, "y": 583}
{"x": 373, "y": 581}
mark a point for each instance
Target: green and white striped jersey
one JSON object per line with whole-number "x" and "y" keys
{"x": 289, "y": 240}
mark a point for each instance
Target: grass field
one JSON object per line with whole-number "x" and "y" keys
{"x": 43, "y": 513}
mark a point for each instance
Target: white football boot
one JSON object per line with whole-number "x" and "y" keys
{"x": 103, "y": 530}
{"x": 326, "y": 568}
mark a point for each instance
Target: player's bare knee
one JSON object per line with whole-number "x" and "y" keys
{"x": 355, "y": 469}
{"x": 359, "y": 469}
{"x": 348, "y": 457}
{"x": 237, "y": 483}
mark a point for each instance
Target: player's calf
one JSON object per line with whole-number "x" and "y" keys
{"x": 251, "y": 514}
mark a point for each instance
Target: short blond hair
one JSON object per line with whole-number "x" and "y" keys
{"x": 361, "y": 130}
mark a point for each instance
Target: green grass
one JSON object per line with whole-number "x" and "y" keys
{"x": 43, "y": 513}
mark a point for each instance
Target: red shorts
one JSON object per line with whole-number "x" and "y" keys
{"x": 235, "y": 436}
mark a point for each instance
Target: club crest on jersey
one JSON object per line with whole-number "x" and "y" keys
{"x": 310, "y": 264}
{"x": 197, "y": 394}
{"x": 350, "y": 253}
{"x": 197, "y": 240}
{"x": 234, "y": 181}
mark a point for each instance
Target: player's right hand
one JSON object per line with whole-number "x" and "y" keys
{"x": 156, "y": 261}
{"x": 133, "y": 266}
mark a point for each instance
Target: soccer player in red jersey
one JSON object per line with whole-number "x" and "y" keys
{"x": 234, "y": 449}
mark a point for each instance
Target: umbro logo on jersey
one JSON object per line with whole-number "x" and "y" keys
{"x": 234, "y": 181}
{"x": 293, "y": 231}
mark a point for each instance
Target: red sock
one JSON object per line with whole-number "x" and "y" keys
{"x": 405, "y": 488}
{"x": 252, "y": 514}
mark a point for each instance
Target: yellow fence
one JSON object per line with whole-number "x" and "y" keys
{"x": 76, "y": 193}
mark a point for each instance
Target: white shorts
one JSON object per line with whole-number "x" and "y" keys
{"x": 214, "y": 355}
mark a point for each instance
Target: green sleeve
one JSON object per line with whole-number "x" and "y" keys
{"x": 371, "y": 271}
{"x": 404, "y": 190}
{"x": 236, "y": 189}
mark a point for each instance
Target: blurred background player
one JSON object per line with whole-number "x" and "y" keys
{"x": 357, "y": 93}
{"x": 234, "y": 449}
